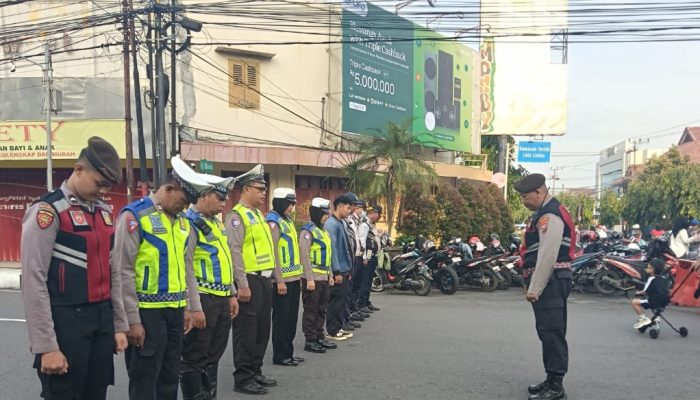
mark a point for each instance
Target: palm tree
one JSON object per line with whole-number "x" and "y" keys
{"x": 386, "y": 167}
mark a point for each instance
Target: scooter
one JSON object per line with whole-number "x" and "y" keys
{"x": 408, "y": 271}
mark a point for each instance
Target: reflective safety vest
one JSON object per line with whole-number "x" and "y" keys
{"x": 212, "y": 257}
{"x": 79, "y": 270}
{"x": 321, "y": 251}
{"x": 160, "y": 263}
{"x": 287, "y": 246}
{"x": 257, "y": 251}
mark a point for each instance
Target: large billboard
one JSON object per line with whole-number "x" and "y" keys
{"x": 26, "y": 140}
{"x": 523, "y": 81}
{"x": 394, "y": 70}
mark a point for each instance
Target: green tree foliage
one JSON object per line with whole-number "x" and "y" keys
{"x": 669, "y": 186}
{"x": 386, "y": 167}
{"x": 458, "y": 212}
{"x": 610, "y": 208}
{"x": 579, "y": 205}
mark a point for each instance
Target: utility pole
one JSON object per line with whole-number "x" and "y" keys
{"x": 143, "y": 171}
{"x": 173, "y": 70}
{"x": 127, "y": 107}
{"x": 160, "y": 95}
{"x": 151, "y": 87}
{"x": 48, "y": 76}
{"x": 554, "y": 178}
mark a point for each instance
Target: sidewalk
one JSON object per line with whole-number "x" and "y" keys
{"x": 9, "y": 275}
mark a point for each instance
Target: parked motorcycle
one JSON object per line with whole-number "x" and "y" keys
{"x": 439, "y": 263}
{"x": 408, "y": 271}
{"x": 477, "y": 273}
{"x": 625, "y": 274}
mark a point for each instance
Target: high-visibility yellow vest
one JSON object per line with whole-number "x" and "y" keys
{"x": 321, "y": 251}
{"x": 212, "y": 258}
{"x": 287, "y": 246}
{"x": 160, "y": 263}
{"x": 257, "y": 248}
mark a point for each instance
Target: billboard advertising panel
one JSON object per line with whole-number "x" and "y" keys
{"x": 523, "y": 85}
{"x": 394, "y": 70}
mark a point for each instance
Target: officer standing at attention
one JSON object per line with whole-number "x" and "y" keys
{"x": 547, "y": 254}
{"x": 72, "y": 295}
{"x": 315, "y": 254}
{"x": 252, "y": 251}
{"x": 213, "y": 268}
{"x": 154, "y": 244}
{"x": 369, "y": 235}
{"x": 288, "y": 271}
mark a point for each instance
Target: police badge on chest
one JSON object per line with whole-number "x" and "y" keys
{"x": 157, "y": 224}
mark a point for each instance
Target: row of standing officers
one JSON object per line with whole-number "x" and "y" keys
{"x": 166, "y": 286}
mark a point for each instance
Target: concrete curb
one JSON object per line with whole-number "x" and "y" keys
{"x": 10, "y": 278}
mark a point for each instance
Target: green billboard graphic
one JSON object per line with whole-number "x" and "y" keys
{"x": 394, "y": 70}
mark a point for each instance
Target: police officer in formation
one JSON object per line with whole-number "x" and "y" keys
{"x": 72, "y": 294}
{"x": 168, "y": 291}
{"x": 213, "y": 268}
{"x": 154, "y": 245}
{"x": 315, "y": 254}
{"x": 370, "y": 236}
{"x": 287, "y": 275}
{"x": 252, "y": 251}
{"x": 548, "y": 251}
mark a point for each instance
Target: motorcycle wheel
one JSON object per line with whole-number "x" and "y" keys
{"x": 447, "y": 280}
{"x": 377, "y": 282}
{"x": 490, "y": 281}
{"x": 603, "y": 287}
{"x": 425, "y": 288}
{"x": 507, "y": 280}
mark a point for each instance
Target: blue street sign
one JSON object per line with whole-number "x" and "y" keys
{"x": 534, "y": 152}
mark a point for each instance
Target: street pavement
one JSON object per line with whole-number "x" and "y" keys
{"x": 470, "y": 345}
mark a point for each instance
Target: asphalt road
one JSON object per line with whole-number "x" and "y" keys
{"x": 467, "y": 346}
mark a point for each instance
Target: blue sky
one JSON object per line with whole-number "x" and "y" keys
{"x": 623, "y": 90}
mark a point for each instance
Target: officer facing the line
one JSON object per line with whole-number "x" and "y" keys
{"x": 288, "y": 271}
{"x": 315, "y": 253}
{"x": 72, "y": 295}
{"x": 154, "y": 245}
{"x": 213, "y": 268}
{"x": 547, "y": 253}
{"x": 252, "y": 251}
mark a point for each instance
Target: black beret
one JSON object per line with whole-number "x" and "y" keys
{"x": 530, "y": 183}
{"x": 104, "y": 159}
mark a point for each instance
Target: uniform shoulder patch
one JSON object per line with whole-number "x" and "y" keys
{"x": 131, "y": 223}
{"x": 235, "y": 222}
{"x": 307, "y": 235}
{"x": 543, "y": 223}
{"x": 45, "y": 216}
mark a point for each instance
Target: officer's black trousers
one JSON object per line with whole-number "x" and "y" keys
{"x": 204, "y": 347}
{"x": 363, "y": 300}
{"x": 315, "y": 304}
{"x": 85, "y": 336}
{"x": 154, "y": 368}
{"x": 285, "y": 315}
{"x": 251, "y": 330}
{"x": 337, "y": 305}
{"x": 550, "y": 321}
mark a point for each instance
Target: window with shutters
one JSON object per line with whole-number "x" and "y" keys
{"x": 244, "y": 84}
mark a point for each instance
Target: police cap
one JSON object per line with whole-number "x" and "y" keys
{"x": 375, "y": 208}
{"x": 256, "y": 174}
{"x": 530, "y": 183}
{"x": 103, "y": 158}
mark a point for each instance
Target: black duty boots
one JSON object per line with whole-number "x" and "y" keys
{"x": 551, "y": 389}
